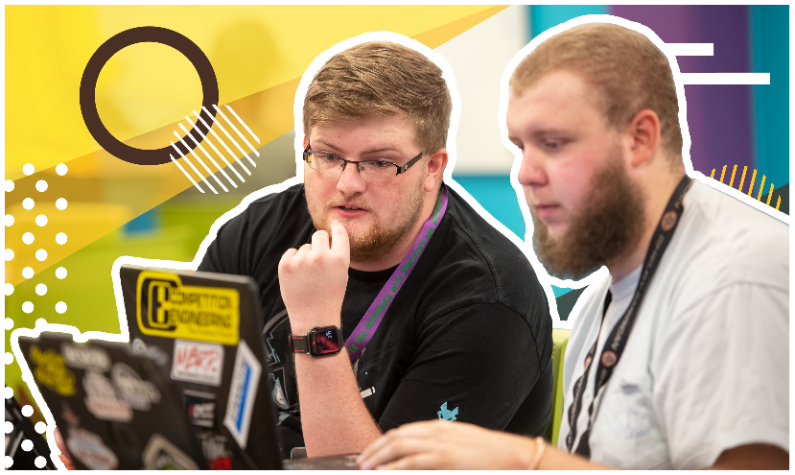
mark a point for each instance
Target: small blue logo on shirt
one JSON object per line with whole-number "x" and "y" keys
{"x": 446, "y": 414}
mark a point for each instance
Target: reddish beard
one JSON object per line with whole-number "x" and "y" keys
{"x": 608, "y": 225}
{"x": 369, "y": 245}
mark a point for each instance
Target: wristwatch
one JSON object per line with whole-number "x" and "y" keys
{"x": 319, "y": 341}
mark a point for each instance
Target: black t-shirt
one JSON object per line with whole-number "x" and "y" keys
{"x": 467, "y": 338}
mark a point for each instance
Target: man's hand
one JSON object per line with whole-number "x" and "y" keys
{"x": 313, "y": 280}
{"x": 448, "y": 446}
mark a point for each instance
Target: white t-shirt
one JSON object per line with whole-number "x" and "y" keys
{"x": 706, "y": 366}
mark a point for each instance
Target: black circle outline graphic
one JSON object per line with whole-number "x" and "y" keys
{"x": 88, "y": 84}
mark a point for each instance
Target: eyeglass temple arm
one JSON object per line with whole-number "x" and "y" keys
{"x": 409, "y": 164}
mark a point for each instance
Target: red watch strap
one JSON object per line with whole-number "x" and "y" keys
{"x": 298, "y": 344}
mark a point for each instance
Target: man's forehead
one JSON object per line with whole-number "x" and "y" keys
{"x": 554, "y": 95}
{"x": 391, "y": 131}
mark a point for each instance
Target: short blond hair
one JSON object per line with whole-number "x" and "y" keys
{"x": 379, "y": 79}
{"x": 629, "y": 71}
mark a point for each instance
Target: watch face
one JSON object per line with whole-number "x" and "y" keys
{"x": 326, "y": 340}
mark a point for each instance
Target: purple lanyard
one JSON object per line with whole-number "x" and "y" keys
{"x": 367, "y": 326}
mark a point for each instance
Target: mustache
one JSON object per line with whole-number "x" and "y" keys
{"x": 343, "y": 200}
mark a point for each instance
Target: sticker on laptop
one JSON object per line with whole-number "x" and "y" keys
{"x": 161, "y": 454}
{"x": 84, "y": 356}
{"x": 88, "y": 448}
{"x": 245, "y": 379}
{"x": 51, "y": 371}
{"x": 153, "y": 352}
{"x": 198, "y": 362}
{"x": 201, "y": 408}
{"x": 133, "y": 390}
{"x": 216, "y": 451}
{"x": 167, "y": 308}
{"x": 101, "y": 398}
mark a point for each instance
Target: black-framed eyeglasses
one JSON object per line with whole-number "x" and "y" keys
{"x": 328, "y": 163}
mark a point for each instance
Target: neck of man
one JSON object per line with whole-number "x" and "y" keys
{"x": 399, "y": 251}
{"x": 658, "y": 187}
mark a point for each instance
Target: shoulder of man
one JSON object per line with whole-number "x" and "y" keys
{"x": 268, "y": 221}
{"x": 474, "y": 263}
{"x": 723, "y": 241}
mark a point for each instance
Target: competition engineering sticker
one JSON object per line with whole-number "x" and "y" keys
{"x": 167, "y": 308}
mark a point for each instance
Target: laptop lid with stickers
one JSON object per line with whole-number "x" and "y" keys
{"x": 110, "y": 405}
{"x": 203, "y": 330}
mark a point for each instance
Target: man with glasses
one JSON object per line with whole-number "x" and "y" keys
{"x": 439, "y": 314}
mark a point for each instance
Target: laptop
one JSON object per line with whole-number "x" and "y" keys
{"x": 204, "y": 330}
{"x": 110, "y": 405}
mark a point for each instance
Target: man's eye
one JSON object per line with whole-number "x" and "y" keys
{"x": 553, "y": 144}
{"x": 380, "y": 164}
{"x": 328, "y": 157}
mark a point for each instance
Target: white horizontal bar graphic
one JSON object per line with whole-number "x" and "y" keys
{"x": 720, "y": 79}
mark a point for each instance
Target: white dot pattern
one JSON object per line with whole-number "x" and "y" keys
{"x": 28, "y": 169}
{"x": 28, "y": 238}
{"x": 60, "y": 203}
{"x": 28, "y": 203}
{"x": 60, "y": 238}
{"x": 41, "y": 254}
{"x": 9, "y": 220}
{"x": 27, "y": 272}
{"x": 27, "y": 307}
{"x": 41, "y": 220}
{"x": 60, "y": 307}
{"x": 9, "y": 186}
{"x": 41, "y": 289}
{"x": 41, "y": 185}
{"x": 60, "y": 272}
{"x": 61, "y": 169}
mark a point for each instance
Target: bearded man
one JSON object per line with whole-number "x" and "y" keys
{"x": 442, "y": 316}
{"x": 680, "y": 358}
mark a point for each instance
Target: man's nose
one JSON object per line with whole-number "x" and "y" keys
{"x": 351, "y": 181}
{"x": 532, "y": 171}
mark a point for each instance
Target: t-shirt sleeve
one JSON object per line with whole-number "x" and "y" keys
{"x": 721, "y": 374}
{"x": 461, "y": 372}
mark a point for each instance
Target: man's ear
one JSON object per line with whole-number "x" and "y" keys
{"x": 643, "y": 134}
{"x": 436, "y": 165}
{"x": 306, "y": 141}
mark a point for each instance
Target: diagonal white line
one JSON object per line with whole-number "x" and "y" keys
{"x": 193, "y": 167}
{"x": 241, "y": 121}
{"x": 207, "y": 139}
{"x": 723, "y": 79}
{"x": 690, "y": 49}
{"x": 228, "y": 136}
{"x": 235, "y": 129}
{"x": 187, "y": 134}
{"x": 186, "y": 173}
{"x": 201, "y": 162}
{"x": 198, "y": 116}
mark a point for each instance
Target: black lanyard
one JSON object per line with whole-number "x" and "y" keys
{"x": 617, "y": 340}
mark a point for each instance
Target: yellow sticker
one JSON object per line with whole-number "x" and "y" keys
{"x": 173, "y": 310}
{"x": 52, "y": 372}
